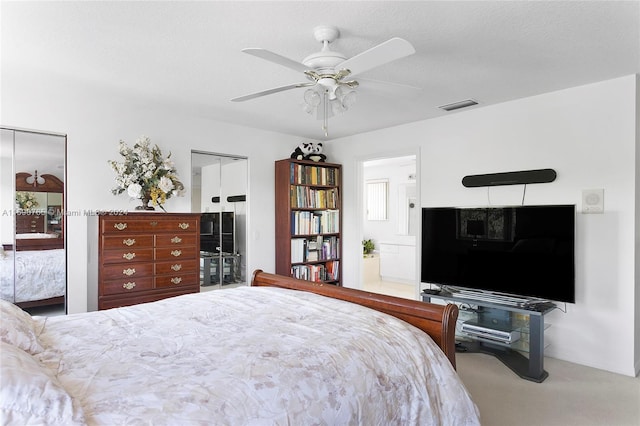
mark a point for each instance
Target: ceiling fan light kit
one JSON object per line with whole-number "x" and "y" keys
{"x": 327, "y": 92}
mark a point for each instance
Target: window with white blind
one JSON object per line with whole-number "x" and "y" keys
{"x": 377, "y": 199}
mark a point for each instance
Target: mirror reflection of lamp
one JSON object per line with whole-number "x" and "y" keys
{"x": 35, "y": 180}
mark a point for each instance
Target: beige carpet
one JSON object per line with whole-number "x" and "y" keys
{"x": 571, "y": 395}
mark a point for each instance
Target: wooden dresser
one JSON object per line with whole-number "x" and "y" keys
{"x": 29, "y": 223}
{"x": 143, "y": 257}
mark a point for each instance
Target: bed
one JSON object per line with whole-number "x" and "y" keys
{"x": 40, "y": 277}
{"x": 282, "y": 351}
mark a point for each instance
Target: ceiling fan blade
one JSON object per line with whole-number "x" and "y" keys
{"x": 274, "y": 90}
{"x": 386, "y": 88}
{"x": 274, "y": 57}
{"x": 381, "y": 54}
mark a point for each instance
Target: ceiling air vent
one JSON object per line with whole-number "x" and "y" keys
{"x": 458, "y": 105}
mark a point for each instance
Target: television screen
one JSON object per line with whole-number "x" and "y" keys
{"x": 211, "y": 239}
{"x": 524, "y": 250}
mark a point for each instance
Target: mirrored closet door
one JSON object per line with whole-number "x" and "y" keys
{"x": 219, "y": 193}
{"x": 32, "y": 221}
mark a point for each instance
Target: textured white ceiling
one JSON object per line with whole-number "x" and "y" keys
{"x": 188, "y": 55}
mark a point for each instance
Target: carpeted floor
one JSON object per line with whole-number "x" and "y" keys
{"x": 571, "y": 395}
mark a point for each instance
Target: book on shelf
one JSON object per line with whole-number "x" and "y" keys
{"x": 315, "y": 249}
{"x": 305, "y": 197}
{"x": 315, "y": 222}
{"x": 322, "y": 272}
{"x": 305, "y": 174}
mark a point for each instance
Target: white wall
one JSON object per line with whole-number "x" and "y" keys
{"x": 588, "y": 135}
{"x": 95, "y": 120}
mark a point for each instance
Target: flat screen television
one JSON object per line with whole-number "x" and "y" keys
{"x": 521, "y": 250}
{"x": 211, "y": 239}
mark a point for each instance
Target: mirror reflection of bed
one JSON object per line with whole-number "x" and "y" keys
{"x": 33, "y": 257}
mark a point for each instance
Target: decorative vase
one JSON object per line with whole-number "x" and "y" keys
{"x": 145, "y": 203}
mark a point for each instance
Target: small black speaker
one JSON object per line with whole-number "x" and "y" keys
{"x": 236, "y": 198}
{"x": 510, "y": 178}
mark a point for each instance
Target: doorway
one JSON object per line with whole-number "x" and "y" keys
{"x": 219, "y": 193}
{"x": 390, "y": 221}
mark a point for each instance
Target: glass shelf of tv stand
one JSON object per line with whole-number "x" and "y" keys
{"x": 525, "y": 359}
{"x": 519, "y": 322}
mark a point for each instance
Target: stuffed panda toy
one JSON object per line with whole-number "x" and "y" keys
{"x": 316, "y": 153}
{"x": 302, "y": 150}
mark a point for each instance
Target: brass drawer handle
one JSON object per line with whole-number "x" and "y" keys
{"x": 129, "y": 271}
{"x": 153, "y": 223}
{"x": 176, "y": 240}
{"x": 128, "y": 286}
{"x": 176, "y": 267}
{"x": 120, "y": 226}
{"x": 129, "y": 256}
{"x": 176, "y": 280}
{"x": 176, "y": 253}
{"x": 129, "y": 242}
{"x": 183, "y": 225}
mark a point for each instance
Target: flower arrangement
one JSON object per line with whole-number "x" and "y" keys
{"x": 26, "y": 200}
{"x": 145, "y": 174}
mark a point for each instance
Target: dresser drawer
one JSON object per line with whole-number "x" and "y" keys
{"x": 129, "y": 224}
{"x": 179, "y": 225}
{"x": 126, "y": 285}
{"x": 127, "y": 241}
{"x": 176, "y": 253}
{"x": 177, "y": 267}
{"x": 129, "y": 255}
{"x": 177, "y": 280}
{"x": 126, "y": 226}
{"x": 124, "y": 270}
{"x": 174, "y": 239}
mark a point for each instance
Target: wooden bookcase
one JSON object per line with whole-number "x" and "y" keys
{"x": 308, "y": 198}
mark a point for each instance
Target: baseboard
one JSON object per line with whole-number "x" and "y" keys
{"x": 396, "y": 280}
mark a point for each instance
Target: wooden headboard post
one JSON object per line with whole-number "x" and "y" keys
{"x": 438, "y": 321}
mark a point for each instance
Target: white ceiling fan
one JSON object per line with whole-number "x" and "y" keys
{"x": 328, "y": 70}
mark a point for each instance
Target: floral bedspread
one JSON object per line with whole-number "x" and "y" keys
{"x": 39, "y": 274}
{"x": 252, "y": 356}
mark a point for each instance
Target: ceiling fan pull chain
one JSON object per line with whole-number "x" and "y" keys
{"x": 325, "y": 119}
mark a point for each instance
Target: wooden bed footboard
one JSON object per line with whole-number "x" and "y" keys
{"x": 58, "y": 300}
{"x": 39, "y": 244}
{"x": 438, "y": 321}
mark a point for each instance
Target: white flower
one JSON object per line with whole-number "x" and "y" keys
{"x": 165, "y": 184}
{"x": 122, "y": 148}
{"x": 134, "y": 190}
{"x": 167, "y": 164}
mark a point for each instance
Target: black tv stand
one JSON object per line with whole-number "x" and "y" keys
{"x": 500, "y": 316}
